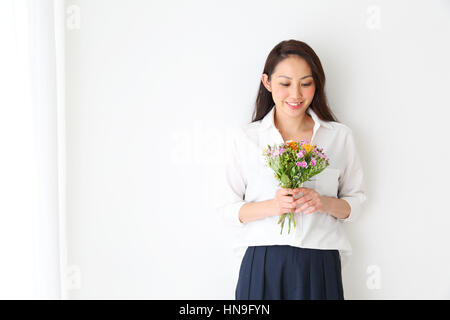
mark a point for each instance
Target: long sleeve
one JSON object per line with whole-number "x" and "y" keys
{"x": 233, "y": 191}
{"x": 352, "y": 186}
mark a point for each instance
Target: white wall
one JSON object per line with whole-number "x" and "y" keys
{"x": 153, "y": 84}
{"x": 30, "y": 166}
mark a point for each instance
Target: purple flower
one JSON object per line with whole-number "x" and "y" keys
{"x": 298, "y": 163}
{"x": 313, "y": 162}
{"x": 303, "y": 164}
{"x": 301, "y": 154}
{"x": 282, "y": 150}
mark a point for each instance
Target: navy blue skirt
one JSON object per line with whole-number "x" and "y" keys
{"x": 283, "y": 272}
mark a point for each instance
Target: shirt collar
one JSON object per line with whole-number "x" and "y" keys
{"x": 268, "y": 120}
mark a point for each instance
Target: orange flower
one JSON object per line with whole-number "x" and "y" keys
{"x": 293, "y": 145}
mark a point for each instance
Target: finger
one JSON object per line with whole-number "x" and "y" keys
{"x": 307, "y": 204}
{"x": 288, "y": 199}
{"x": 303, "y": 199}
{"x": 310, "y": 210}
{"x": 287, "y": 205}
{"x": 291, "y": 192}
{"x": 287, "y": 210}
{"x": 286, "y": 191}
{"x": 301, "y": 190}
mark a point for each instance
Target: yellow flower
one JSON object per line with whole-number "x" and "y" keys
{"x": 307, "y": 147}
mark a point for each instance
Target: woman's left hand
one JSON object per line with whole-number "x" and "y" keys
{"x": 310, "y": 198}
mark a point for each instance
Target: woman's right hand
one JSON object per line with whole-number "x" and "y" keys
{"x": 284, "y": 201}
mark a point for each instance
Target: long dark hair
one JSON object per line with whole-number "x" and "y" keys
{"x": 281, "y": 51}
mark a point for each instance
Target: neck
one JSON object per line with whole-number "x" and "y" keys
{"x": 289, "y": 125}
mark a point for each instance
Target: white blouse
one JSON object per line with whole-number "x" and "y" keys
{"x": 249, "y": 180}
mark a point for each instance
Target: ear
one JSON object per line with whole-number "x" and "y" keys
{"x": 265, "y": 81}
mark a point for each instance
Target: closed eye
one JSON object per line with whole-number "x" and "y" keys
{"x": 304, "y": 84}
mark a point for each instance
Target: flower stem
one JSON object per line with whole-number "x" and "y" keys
{"x": 281, "y": 218}
{"x": 289, "y": 230}
{"x": 282, "y": 223}
{"x": 293, "y": 217}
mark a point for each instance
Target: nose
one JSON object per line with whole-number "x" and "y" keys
{"x": 296, "y": 93}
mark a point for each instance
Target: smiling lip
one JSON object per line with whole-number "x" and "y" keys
{"x": 295, "y": 107}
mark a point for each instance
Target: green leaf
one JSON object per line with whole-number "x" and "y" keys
{"x": 285, "y": 179}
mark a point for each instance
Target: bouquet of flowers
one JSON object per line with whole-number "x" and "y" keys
{"x": 294, "y": 163}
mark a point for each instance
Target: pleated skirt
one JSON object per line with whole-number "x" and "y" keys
{"x": 283, "y": 272}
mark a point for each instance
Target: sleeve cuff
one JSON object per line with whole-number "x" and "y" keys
{"x": 230, "y": 213}
{"x": 355, "y": 209}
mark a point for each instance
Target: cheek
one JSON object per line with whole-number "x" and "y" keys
{"x": 281, "y": 94}
{"x": 309, "y": 92}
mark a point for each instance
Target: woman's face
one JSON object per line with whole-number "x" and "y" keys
{"x": 291, "y": 83}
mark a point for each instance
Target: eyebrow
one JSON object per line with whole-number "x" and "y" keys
{"x": 310, "y": 75}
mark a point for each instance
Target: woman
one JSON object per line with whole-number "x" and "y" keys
{"x": 306, "y": 263}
